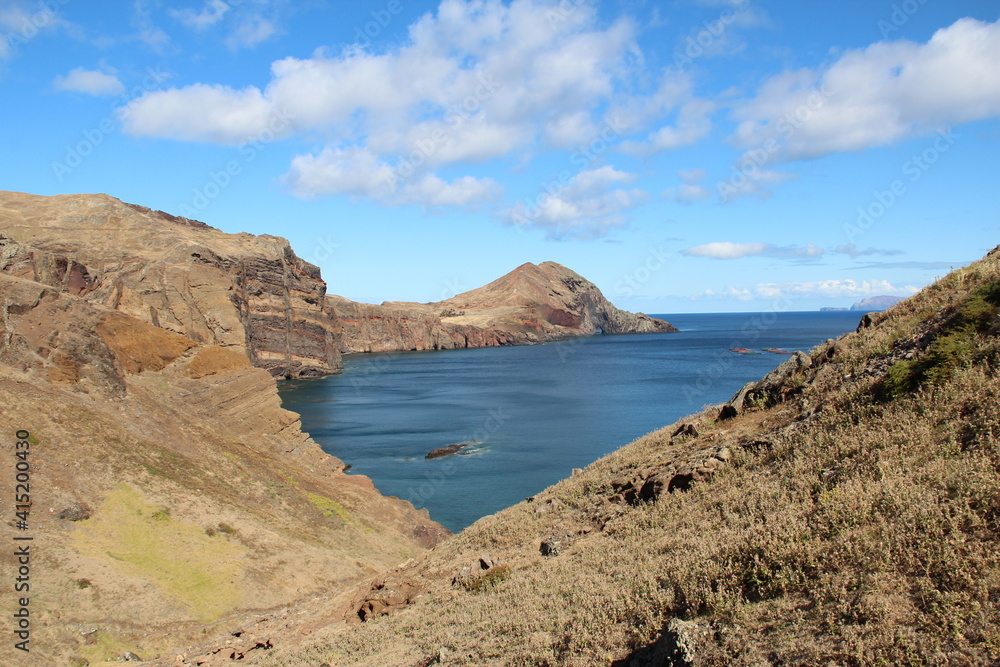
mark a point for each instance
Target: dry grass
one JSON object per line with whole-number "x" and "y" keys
{"x": 855, "y": 524}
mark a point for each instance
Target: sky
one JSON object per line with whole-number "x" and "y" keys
{"x": 685, "y": 156}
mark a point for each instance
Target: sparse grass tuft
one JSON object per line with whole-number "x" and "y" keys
{"x": 487, "y": 581}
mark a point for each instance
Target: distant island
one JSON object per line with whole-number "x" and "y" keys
{"x": 875, "y": 303}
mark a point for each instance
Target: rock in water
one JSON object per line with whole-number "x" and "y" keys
{"x": 447, "y": 450}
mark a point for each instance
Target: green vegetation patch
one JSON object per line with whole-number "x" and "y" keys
{"x": 953, "y": 348}
{"x": 141, "y": 540}
{"x": 330, "y": 507}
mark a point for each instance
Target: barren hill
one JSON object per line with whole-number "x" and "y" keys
{"x": 531, "y": 304}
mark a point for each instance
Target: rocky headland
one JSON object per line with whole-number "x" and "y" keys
{"x": 531, "y": 304}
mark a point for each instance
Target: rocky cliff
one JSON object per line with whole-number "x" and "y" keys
{"x": 531, "y": 304}
{"x": 169, "y": 491}
{"x": 238, "y": 291}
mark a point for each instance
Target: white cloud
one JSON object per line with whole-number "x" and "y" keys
{"x": 210, "y": 14}
{"x": 21, "y": 21}
{"x": 818, "y": 289}
{"x": 148, "y": 33}
{"x": 589, "y": 205}
{"x": 692, "y": 176}
{"x": 833, "y": 288}
{"x": 885, "y": 93}
{"x": 853, "y": 251}
{"x": 89, "y": 82}
{"x": 730, "y": 250}
{"x": 476, "y": 80}
{"x": 250, "y": 32}
{"x": 687, "y": 193}
{"x": 360, "y": 174}
{"x": 693, "y": 124}
{"x": 448, "y": 70}
{"x": 751, "y": 182}
{"x": 201, "y": 113}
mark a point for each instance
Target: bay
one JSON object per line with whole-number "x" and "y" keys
{"x": 533, "y": 413}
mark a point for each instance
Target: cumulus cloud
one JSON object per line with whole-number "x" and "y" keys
{"x": 89, "y": 82}
{"x": 474, "y": 81}
{"x": 885, "y": 93}
{"x": 730, "y": 250}
{"x": 589, "y": 205}
{"x": 360, "y": 174}
{"x": 448, "y": 70}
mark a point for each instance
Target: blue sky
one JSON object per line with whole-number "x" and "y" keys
{"x": 705, "y": 155}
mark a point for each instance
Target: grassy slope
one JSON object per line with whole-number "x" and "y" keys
{"x": 855, "y": 523}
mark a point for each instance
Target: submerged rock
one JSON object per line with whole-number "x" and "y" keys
{"x": 448, "y": 450}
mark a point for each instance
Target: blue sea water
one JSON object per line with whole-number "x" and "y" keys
{"x": 535, "y": 411}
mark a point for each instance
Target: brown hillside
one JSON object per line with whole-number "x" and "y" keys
{"x": 845, "y": 510}
{"x": 170, "y": 492}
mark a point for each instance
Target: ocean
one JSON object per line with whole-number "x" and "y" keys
{"x": 533, "y": 413}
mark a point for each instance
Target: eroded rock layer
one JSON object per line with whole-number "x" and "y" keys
{"x": 239, "y": 291}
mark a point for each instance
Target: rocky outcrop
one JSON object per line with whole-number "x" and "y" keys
{"x": 531, "y": 304}
{"x": 248, "y": 293}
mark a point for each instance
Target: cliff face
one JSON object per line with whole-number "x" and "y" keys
{"x": 242, "y": 292}
{"x": 531, "y": 304}
{"x": 171, "y": 491}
